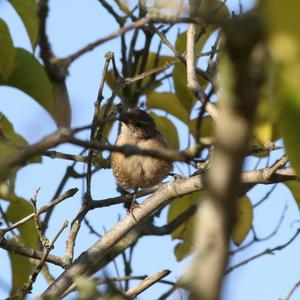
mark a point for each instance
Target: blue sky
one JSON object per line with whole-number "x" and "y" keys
{"x": 73, "y": 24}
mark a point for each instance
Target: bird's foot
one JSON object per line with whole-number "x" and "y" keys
{"x": 130, "y": 210}
{"x": 177, "y": 176}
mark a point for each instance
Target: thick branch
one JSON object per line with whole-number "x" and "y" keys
{"x": 215, "y": 217}
{"x": 95, "y": 254}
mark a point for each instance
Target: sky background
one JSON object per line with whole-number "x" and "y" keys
{"x": 73, "y": 24}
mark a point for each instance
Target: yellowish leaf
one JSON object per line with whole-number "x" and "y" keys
{"x": 169, "y": 103}
{"x": 294, "y": 187}
{"x": 244, "y": 220}
{"x": 167, "y": 129}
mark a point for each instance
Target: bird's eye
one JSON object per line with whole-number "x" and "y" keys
{"x": 139, "y": 124}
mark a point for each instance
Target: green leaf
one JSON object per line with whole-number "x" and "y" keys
{"x": 184, "y": 249}
{"x": 214, "y": 11}
{"x": 290, "y": 127}
{"x": 29, "y": 76}
{"x": 282, "y": 22}
{"x": 184, "y": 94}
{"x": 294, "y": 187}
{"x": 123, "y": 7}
{"x": 62, "y": 106}
{"x": 21, "y": 266}
{"x": 7, "y": 51}
{"x": 167, "y": 129}
{"x": 185, "y": 231}
{"x": 244, "y": 220}
{"x": 207, "y": 129}
{"x": 281, "y": 17}
{"x": 27, "y": 10}
{"x": 177, "y": 207}
{"x": 169, "y": 103}
{"x": 10, "y": 144}
{"x": 18, "y": 209}
{"x": 152, "y": 62}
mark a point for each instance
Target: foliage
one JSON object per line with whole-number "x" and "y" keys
{"x": 277, "y": 118}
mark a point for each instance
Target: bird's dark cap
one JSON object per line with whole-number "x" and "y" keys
{"x": 135, "y": 115}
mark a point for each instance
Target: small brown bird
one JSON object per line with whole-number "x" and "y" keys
{"x": 136, "y": 171}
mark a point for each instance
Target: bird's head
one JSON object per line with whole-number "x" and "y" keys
{"x": 139, "y": 123}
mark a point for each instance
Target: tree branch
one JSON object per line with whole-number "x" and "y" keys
{"x": 146, "y": 283}
{"x": 215, "y": 216}
{"x": 167, "y": 192}
{"x": 265, "y": 252}
{"x": 68, "y": 194}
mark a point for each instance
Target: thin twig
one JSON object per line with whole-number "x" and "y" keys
{"x": 43, "y": 209}
{"x": 137, "y": 24}
{"x": 28, "y": 252}
{"x": 146, "y": 283}
{"x": 292, "y": 291}
{"x": 28, "y": 287}
{"x": 261, "y": 239}
{"x": 265, "y": 252}
{"x": 56, "y": 154}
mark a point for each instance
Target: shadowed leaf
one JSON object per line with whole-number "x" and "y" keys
{"x": 7, "y": 51}
{"x": 21, "y": 266}
{"x": 27, "y": 10}
{"x": 169, "y": 103}
{"x": 167, "y": 129}
{"x": 29, "y": 76}
{"x": 244, "y": 220}
{"x": 185, "y": 231}
{"x": 294, "y": 187}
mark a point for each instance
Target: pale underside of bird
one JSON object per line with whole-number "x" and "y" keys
{"x": 137, "y": 171}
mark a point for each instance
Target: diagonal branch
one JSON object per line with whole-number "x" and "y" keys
{"x": 164, "y": 195}
{"x": 146, "y": 283}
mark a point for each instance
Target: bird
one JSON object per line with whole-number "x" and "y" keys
{"x": 137, "y": 171}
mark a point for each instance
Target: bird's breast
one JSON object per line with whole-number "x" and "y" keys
{"x": 138, "y": 171}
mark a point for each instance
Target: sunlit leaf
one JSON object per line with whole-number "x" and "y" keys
{"x": 282, "y": 17}
{"x": 29, "y": 76}
{"x": 207, "y": 127}
{"x": 27, "y": 10}
{"x": 177, "y": 207}
{"x": 169, "y": 103}
{"x": 123, "y": 7}
{"x": 282, "y": 21}
{"x": 184, "y": 94}
{"x": 214, "y": 11}
{"x": 263, "y": 132}
{"x": 7, "y": 51}
{"x": 184, "y": 248}
{"x": 185, "y": 231}
{"x": 244, "y": 220}
{"x": 290, "y": 127}
{"x": 10, "y": 144}
{"x": 21, "y": 266}
{"x": 294, "y": 187}
{"x": 62, "y": 107}
{"x": 167, "y": 129}
{"x": 153, "y": 61}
